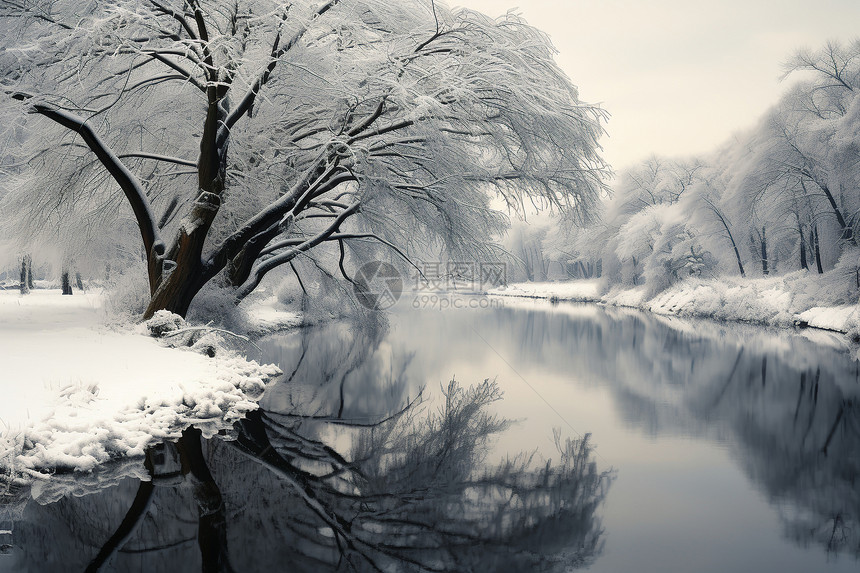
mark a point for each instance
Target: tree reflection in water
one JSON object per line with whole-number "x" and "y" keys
{"x": 411, "y": 492}
{"x": 332, "y": 475}
{"x": 787, "y": 408}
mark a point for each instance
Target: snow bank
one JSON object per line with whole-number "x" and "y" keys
{"x": 760, "y": 301}
{"x": 576, "y": 291}
{"x": 633, "y": 297}
{"x": 799, "y": 298}
{"x": 837, "y": 318}
{"x": 78, "y": 395}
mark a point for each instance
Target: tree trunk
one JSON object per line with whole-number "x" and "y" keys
{"x": 183, "y": 273}
{"x": 527, "y": 265}
{"x": 26, "y": 274}
{"x": 847, "y": 232}
{"x": 67, "y": 286}
{"x": 764, "y": 269}
{"x": 803, "y": 264}
{"x": 738, "y": 257}
{"x": 725, "y": 224}
{"x": 78, "y": 282}
{"x": 817, "y": 247}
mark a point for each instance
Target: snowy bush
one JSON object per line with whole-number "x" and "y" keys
{"x": 217, "y": 306}
{"x": 657, "y": 245}
{"x": 127, "y": 294}
{"x": 677, "y": 255}
{"x": 164, "y": 322}
{"x": 847, "y": 275}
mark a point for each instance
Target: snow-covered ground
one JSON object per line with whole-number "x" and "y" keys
{"x": 795, "y": 299}
{"x": 577, "y": 291}
{"x": 77, "y": 393}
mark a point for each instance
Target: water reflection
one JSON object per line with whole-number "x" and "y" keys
{"x": 338, "y": 471}
{"x": 411, "y": 492}
{"x": 786, "y": 408}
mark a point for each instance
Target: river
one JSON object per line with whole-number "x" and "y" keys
{"x": 635, "y": 443}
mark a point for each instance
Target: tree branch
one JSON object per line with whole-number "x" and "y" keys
{"x": 157, "y": 157}
{"x": 129, "y": 184}
{"x": 278, "y": 52}
{"x": 174, "y": 66}
{"x": 304, "y": 190}
{"x": 178, "y": 17}
{"x": 264, "y": 267}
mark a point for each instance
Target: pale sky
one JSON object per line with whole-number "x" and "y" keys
{"x": 679, "y": 76}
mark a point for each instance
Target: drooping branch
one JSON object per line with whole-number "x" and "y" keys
{"x": 149, "y": 82}
{"x": 161, "y": 56}
{"x": 129, "y": 184}
{"x": 340, "y": 237}
{"x": 343, "y": 271}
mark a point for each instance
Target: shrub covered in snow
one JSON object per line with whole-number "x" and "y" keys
{"x": 126, "y": 294}
{"x": 163, "y": 322}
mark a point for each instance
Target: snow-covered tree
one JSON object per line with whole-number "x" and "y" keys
{"x": 239, "y": 135}
{"x": 777, "y": 198}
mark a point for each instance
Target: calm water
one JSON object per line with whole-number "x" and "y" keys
{"x": 716, "y": 448}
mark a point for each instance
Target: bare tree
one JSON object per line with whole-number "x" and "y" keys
{"x": 262, "y": 132}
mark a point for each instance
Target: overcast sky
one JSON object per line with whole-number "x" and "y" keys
{"x": 679, "y": 76}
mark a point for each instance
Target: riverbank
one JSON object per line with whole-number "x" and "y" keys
{"x": 796, "y": 299}
{"x": 79, "y": 392}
